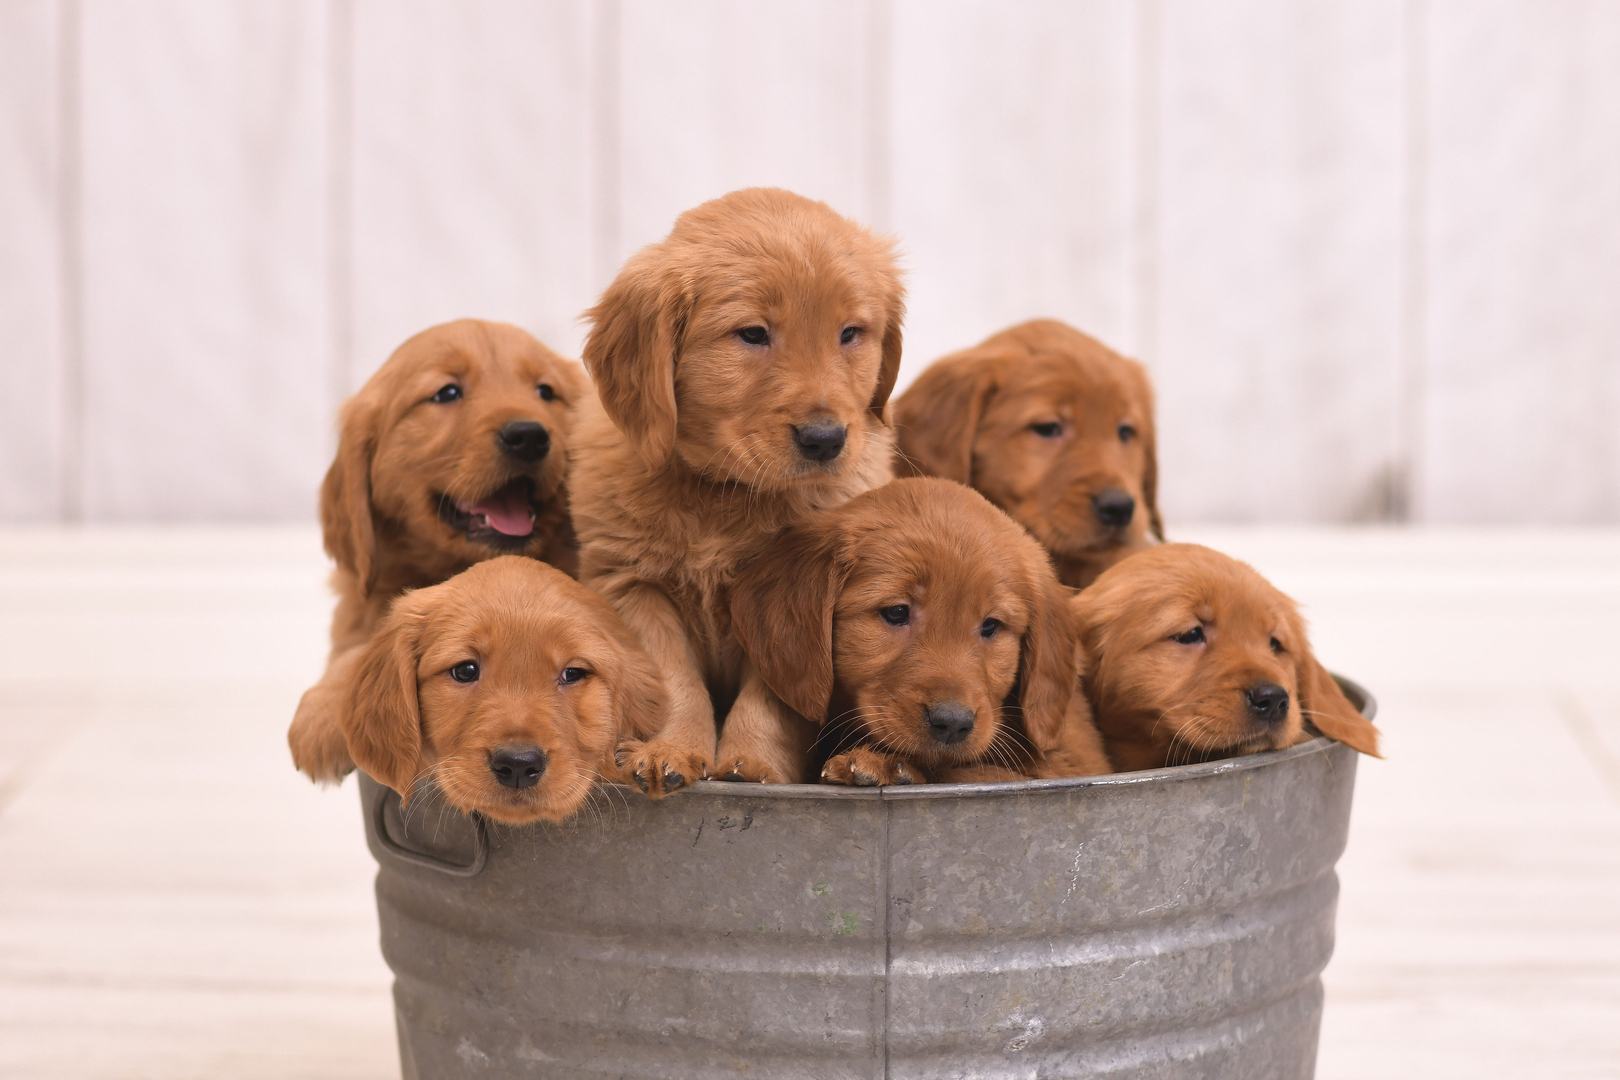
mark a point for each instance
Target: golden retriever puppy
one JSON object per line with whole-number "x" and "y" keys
{"x": 1053, "y": 427}
{"x": 508, "y": 686}
{"x": 453, "y": 452}
{"x": 929, "y": 634}
{"x": 743, "y": 365}
{"x": 1196, "y": 656}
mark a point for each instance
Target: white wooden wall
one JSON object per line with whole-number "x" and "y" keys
{"x": 1371, "y": 249}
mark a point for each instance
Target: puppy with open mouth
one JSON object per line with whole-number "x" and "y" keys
{"x": 454, "y": 452}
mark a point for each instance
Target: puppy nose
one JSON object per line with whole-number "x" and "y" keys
{"x": 820, "y": 440}
{"x": 517, "y": 766}
{"x": 524, "y": 440}
{"x": 1114, "y": 508}
{"x": 1268, "y": 701}
{"x": 949, "y": 723}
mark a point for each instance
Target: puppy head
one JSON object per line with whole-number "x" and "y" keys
{"x": 757, "y": 343}
{"x": 1053, "y": 427}
{"x": 452, "y": 449}
{"x": 926, "y": 609}
{"x": 509, "y": 684}
{"x": 1196, "y": 656}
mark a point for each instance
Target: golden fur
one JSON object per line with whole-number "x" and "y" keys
{"x": 1181, "y": 638}
{"x": 909, "y": 604}
{"x": 557, "y": 675}
{"x": 408, "y": 468}
{"x": 691, "y": 465}
{"x": 1042, "y": 420}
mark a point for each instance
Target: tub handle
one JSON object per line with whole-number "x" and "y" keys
{"x": 379, "y": 808}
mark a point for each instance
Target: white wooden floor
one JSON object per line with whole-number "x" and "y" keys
{"x": 175, "y": 902}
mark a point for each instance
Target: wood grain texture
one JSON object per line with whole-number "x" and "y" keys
{"x": 1523, "y": 331}
{"x": 31, "y": 302}
{"x": 203, "y": 197}
{"x": 1277, "y": 309}
{"x": 472, "y": 170}
{"x": 1012, "y": 169}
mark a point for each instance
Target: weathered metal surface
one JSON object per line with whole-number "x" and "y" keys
{"x": 1158, "y": 924}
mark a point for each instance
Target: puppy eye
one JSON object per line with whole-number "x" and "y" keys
{"x": 572, "y": 675}
{"x": 898, "y": 615}
{"x": 1048, "y": 430}
{"x": 1276, "y": 646}
{"x": 466, "y": 671}
{"x": 988, "y": 628}
{"x": 1126, "y": 433}
{"x": 546, "y": 392}
{"x": 1191, "y": 637}
{"x": 755, "y": 335}
{"x": 849, "y": 335}
{"x": 447, "y": 393}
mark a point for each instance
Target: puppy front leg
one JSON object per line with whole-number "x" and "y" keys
{"x": 315, "y": 737}
{"x": 762, "y": 740}
{"x": 682, "y": 752}
{"x": 869, "y": 766}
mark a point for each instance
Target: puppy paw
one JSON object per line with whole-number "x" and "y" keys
{"x": 659, "y": 769}
{"x": 318, "y": 748}
{"x": 750, "y": 770}
{"x": 870, "y": 768}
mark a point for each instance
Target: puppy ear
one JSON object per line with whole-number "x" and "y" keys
{"x": 1150, "y": 488}
{"x": 573, "y": 382}
{"x": 937, "y": 419}
{"x": 346, "y": 526}
{"x": 890, "y": 371}
{"x": 381, "y": 717}
{"x": 1323, "y": 706}
{"x": 1150, "y": 449}
{"x": 782, "y": 613}
{"x": 1048, "y": 675}
{"x": 639, "y": 696}
{"x": 635, "y": 334}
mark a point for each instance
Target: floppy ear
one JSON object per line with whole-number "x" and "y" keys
{"x": 1150, "y": 488}
{"x": 346, "y": 526}
{"x": 1048, "y": 676}
{"x": 635, "y": 334}
{"x": 575, "y": 384}
{"x": 890, "y": 371}
{"x": 639, "y": 697}
{"x": 782, "y": 613}
{"x": 937, "y": 418}
{"x": 381, "y": 718}
{"x": 1323, "y": 706}
{"x": 1150, "y": 449}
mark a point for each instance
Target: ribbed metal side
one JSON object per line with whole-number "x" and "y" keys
{"x": 1168, "y": 924}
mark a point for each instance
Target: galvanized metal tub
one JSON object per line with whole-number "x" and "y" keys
{"x": 1171, "y": 923}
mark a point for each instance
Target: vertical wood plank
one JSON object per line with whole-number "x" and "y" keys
{"x": 472, "y": 169}
{"x": 717, "y": 95}
{"x": 30, "y": 268}
{"x": 1012, "y": 168}
{"x": 1278, "y": 315}
{"x": 203, "y": 277}
{"x": 1523, "y": 391}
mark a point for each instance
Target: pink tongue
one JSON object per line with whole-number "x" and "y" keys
{"x": 507, "y": 512}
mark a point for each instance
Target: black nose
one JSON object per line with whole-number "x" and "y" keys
{"x": 524, "y": 440}
{"x": 1114, "y": 508}
{"x": 1268, "y": 701}
{"x": 820, "y": 440}
{"x": 949, "y": 723}
{"x": 517, "y": 766}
